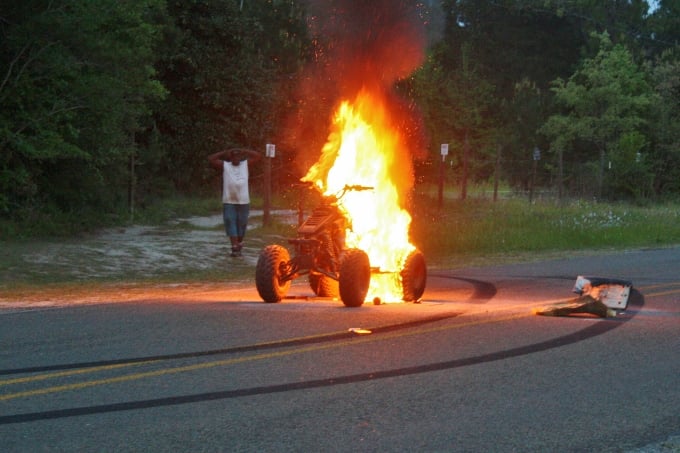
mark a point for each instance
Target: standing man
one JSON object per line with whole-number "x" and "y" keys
{"x": 233, "y": 163}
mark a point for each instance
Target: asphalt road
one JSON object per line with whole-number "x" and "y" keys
{"x": 469, "y": 369}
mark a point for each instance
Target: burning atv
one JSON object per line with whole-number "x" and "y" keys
{"x": 332, "y": 268}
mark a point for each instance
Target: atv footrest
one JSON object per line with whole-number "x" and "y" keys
{"x": 308, "y": 242}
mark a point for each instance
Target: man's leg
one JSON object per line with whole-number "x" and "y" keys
{"x": 242, "y": 223}
{"x": 230, "y": 216}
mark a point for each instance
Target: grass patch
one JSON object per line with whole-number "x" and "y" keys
{"x": 476, "y": 231}
{"x": 513, "y": 227}
{"x": 174, "y": 208}
{"x": 53, "y": 223}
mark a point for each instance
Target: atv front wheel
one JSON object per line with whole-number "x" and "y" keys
{"x": 271, "y": 265}
{"x": 323, "y": 285}
{"x": 355, "y": 276}
{"x": 413, "y": 276}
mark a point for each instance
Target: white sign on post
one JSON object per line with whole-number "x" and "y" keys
{"x": 445, "y": 151}
{"x": 270, "y": 150}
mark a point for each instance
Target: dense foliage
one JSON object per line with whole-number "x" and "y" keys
{"x": 77, "y": 81}
{"x": 107, "y": 105}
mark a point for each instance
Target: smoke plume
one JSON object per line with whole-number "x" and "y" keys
{"x": 357, "y": 44}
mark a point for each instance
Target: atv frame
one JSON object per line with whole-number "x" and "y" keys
{"x": 333, "y": 269}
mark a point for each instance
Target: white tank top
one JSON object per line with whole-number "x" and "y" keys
{"x": 235, "y": 183}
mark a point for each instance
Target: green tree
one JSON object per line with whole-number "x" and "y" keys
{"x": 523, "y": 115}
{"x": 529, "y": 43}
{"x": 76, "y": 82}
{"x": 663, "y": 27}
{"x": 623, "y": 20}
{"x": 511, "y": 40}
{"x": 606, "y": 98}
{"x": 665, "y": 155}
{"x": 456, "y": 107}
{"x": 631, "y": 174}
{"x": 229, "y": 67}
{"x": 515, "y": 48}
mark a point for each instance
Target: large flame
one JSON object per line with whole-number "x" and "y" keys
{"x": 362, "y": 149}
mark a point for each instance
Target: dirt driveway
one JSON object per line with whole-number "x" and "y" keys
{"x": 133, "y": 253}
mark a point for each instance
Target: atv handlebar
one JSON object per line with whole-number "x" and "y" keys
{"x": 356, "y": 187}
{"x": 350, "y": 188}
{"x": 346, "y": 188}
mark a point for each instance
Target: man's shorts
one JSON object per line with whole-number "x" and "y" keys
{"x": 236, "y": 219}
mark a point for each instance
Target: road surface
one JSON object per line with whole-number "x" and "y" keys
{"x": 471, "y": 368}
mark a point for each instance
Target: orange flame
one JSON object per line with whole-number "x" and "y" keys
{"x": 362, "y": 149}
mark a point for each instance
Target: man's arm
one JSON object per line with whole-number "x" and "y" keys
{"x": 216, "y": 159}
{"x": 250, "y": 155}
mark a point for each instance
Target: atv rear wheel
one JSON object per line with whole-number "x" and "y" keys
{"x": 323, "y": 285}
{"x": 414, "y": 276}
{"x": 271, "y": 265}
{"x": 355, "y": 277}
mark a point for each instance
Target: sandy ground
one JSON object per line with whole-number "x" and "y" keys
{"x": 119, "y": 255}
{"x": 143, "y": 251}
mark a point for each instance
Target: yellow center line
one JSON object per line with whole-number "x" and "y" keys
{"x": 318, "y": 347}
{"x": 270, "y": 355}
{"x": 57, "y": 374}
{"x": 94, "y": 369}
{"x": 660, "y": 285}
{"x": 663, "y": 293}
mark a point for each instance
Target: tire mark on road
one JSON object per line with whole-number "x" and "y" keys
{"x": 591, "y": 331}
{"x": 311, "y": 339}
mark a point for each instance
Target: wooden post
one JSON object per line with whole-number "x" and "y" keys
{"x": 560, "y": 175}
{"x": 536, "y": 156}
{"x": 131, "y": 187}
{"x": 533, "y": 181}
{"x": 497, "y": 171}
{"x": 440, "y": 195}
{"x": 301, "y": 207}
{"x": 466, "y": 156}
{"x": 133, "y": 181}
{"x": 444, "y": 153}
{"x": 600, "y": 175}
{"x": 269, "y": 155}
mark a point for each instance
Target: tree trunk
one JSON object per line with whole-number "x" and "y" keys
{"x": 600, "y": 176}
{"x": 560, "y": 174}
{"x": 466, "y": 154}
{"x": 497, "y": 171}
